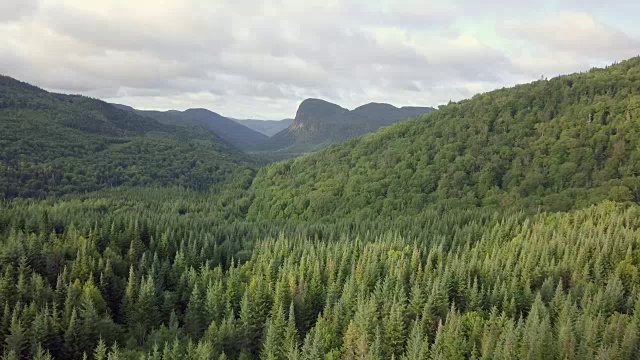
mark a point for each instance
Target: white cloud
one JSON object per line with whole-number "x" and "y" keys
{"x": 565, "y": 43}
{"x": 261, "y": 58}
{"x": 577, "y": 33}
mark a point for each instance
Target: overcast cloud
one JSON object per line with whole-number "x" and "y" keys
{"x": 260, "y": 58}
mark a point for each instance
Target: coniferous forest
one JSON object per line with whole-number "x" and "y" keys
{"x": 506, "y": 226}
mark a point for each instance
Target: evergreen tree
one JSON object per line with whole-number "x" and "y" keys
{"x": 195, "y": 317}
{"x": 290, "y": 344}
{"x": 74, "y": 337}
{"x": 16, "y": 341}
{"x": 273, "y": 343}
{"x": 100, "y": 352}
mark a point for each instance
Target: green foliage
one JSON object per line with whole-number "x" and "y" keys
{"x": 556, "y": 145}
{"x": 552, "y": 285}
{"x": 52, "y": 144}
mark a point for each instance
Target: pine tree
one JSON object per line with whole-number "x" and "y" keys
{"x": 312, "y": 346}
{"x": 40, "y": 331}
{"x": 146, "y": 310}
{"x": 73, "y": 337}
{"x": 273, "y": 344}
{"x": 450, "y": 342}
{"x": 537, "y": 331}
{"x": 16, "y": 340}
{"x": 129, "y": 310}
{"x": 114, "y": 354}
{"x": 291, "y": 349}
{"x": 376, "y": 350}
{"x": 252, "y": 323}
{"x": 195, "y": 317}
{"x": 5, "y": 322}
{"x": 566, "y": 339}
{"x": 417, "y": 346}
{"x": 100, "y": 352}
{"x": 41, "y": 354}
{"x": 352, "y": 347}
{"x": 394, "y": 331}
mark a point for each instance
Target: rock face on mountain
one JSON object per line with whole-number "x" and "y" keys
{"x": 319, "y": 123}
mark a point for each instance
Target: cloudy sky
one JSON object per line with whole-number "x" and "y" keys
{"x": 260, "y": 58}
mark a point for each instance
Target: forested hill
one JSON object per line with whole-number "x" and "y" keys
{"x": 236, "y": 134}
{"x": 319, "y": 123}
{"x": 55, "y": 144}
{"x": 71, "y": 111}
{"x": 557, "y": 144}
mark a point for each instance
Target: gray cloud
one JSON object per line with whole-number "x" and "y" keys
{"x": 11, "y": 10}
{"x": 261, "y": 58}
{"x": 578, "y": 33}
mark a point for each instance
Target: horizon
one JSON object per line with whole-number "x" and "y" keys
{"x": 284, "y": 118}
{"x": 433, "y": 107}
{"x": 260, "y": 60}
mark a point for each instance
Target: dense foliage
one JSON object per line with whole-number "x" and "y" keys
{"x": 399, "y": 245}
{"x": 557, "y": 144}
{"x": 161, "y": 275}
{"x": 52, "y": 144}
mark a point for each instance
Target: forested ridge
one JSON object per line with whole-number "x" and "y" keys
{"x": 506, "y": 226}
{"x": 54, "y": 144}
{"x": 240, "y": 136}
{"x": 554, "y": 144}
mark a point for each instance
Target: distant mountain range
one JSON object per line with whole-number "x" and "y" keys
{"x": 267, "y": 127}
{"x": 319, "y": 123}
{"x": 236, "y": 134}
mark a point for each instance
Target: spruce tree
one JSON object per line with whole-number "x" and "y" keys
{"x": 74, "y": 337}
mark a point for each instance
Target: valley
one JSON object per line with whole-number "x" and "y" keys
{"x": 501, "y": 226}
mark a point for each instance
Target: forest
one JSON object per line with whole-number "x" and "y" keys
{"x": 506, "y": 226}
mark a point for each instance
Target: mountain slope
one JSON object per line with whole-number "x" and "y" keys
{"x": 267, "y": 127}
{"x": 55, "y": 144}
{"x": 72, "y": 111}
{"x": 558, "y": 144}
{"x": 319, "y": 123}
{"x": 238, "y": 135}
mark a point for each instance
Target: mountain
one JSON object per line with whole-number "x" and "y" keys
{"x": 319, "y": 123}
{"x": 267, "y": 127}
{"x": 52, "y": 144}
{"x": 240, "y": 136}
{"x": 559, "y": 144}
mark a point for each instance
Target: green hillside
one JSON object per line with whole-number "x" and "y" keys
{"x": 557, "y": 145}
{"x": 51, "y": 144}
{"x": 239, "y": 135}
